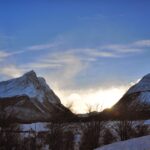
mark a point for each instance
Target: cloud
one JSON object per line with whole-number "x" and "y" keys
{"x": 133, "y": 47}
{"x": 3, "y": 55}
{"x": 96, "y": 96}
{"x": 69, "y": 67}
{"x": 142, "y": 43}
{"x": 35, "y": 48}
{"x": 56, "y": 60}
{"x": 46, "y": 46}
{"x": 85, "y": 53}
{"x": 95, "y": 53}
{"x": 11, "y": 71}
{"x": 59, "y": 68}
{"x": 111, "y": 50}
{"x": 71, "y": 61}
{"x": 89, "y": 54}
{"x": 64, "y": 65}
{"x": 43, "y": 65}
{"x": 120, "y": 48}
{"x": 41, "y": 47}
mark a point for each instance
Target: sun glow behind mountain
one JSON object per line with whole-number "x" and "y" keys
{"x": 96, "y": 99}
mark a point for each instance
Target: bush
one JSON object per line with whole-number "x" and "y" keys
{"x": 91, "y": 135}
{"x": 108, "y": 137}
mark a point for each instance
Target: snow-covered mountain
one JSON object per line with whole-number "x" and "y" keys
{"x": 137, "y": 98}
{"x": 29, "y": 99}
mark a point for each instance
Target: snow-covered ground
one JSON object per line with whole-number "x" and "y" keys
{"x": 40, "y": 126}
{"x": 141, "y": 143}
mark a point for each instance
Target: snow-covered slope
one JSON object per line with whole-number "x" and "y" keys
{"x": 29, "y": 84}
{"x": 29, "y": 99}
{"x": 142, "y": 86}
{"x": 142, "y": 143}
{"x": 137, "y": 97}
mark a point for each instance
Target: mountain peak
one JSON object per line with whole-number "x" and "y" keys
{"x": 141, "y": 86}
{"x": 28, "y": 84}
{"x": 29, "y": 98}
{"x": 146, "y": 77}
{"x": 30, "y": 74}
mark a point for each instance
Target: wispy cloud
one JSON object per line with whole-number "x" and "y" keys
{"x": 43, "y": 65}
{"x": 35, "y": 48}
{"x": 133, "y": 47}
{"x": 95, "y": 53}
{"x": 4, "y": 54}
{"x": 46, "y": 46}
{"x": 109, "y": 50}
{"x": 142, "y": 43}
{"x": 71, "y": 62}
{"x": 120, "y": 48}
{"x": 11, "y": 71}
{"x": 61, "y": 67}
{"x": 42, "y": 46}
{"x": 64, "y": 65}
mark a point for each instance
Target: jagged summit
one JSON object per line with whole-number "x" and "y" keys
{"x": 28, "y": 98}
{"x": 28, "y": 84}
{"x": 146, "y": 77}
{"x": 30, "y": 74}
{"x": 142, "y": 86}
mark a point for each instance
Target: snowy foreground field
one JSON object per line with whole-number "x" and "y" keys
{"x": 142, "y": 143}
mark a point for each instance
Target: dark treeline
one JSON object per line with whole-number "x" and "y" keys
{"x": 61, "y": 136}
{"x": 89, "y": 131}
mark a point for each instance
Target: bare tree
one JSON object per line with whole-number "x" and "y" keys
{"x": 124, "y": 129}
{"x": 69, "y": 105}
{"x": 108, "y": 137}
{"x": 92, "y": 133}
{"x": 60, "y": 139}
{"x": 55, "y": 136}
{"x": 9, "y": 139}
{"x": 68, "y": 141}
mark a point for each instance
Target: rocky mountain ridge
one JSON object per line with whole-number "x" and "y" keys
{"x": 29, "y": 99}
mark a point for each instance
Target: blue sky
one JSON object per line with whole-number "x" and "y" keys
{"x": 76, "y": 45}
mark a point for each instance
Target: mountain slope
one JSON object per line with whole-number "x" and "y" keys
{"x": 136, "y": 99}
{"x": 29, "y": 99}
